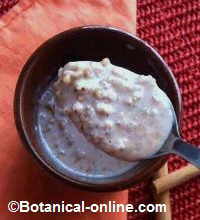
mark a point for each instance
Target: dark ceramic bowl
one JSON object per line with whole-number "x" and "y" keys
{"x": 87, "y": 43}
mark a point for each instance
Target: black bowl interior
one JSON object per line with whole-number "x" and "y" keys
{"x": 87, "y": 43}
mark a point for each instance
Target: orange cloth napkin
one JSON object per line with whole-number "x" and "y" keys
{"x": 22, "y": 30}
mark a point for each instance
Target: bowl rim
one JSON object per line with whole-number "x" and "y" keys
{"x": 18, "y": 115}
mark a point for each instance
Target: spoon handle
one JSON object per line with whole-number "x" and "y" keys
{"x": 187, "y": 151}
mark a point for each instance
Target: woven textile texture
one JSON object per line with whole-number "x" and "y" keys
{"x": 173, "y": 28}
{"x": 5, "y": 5}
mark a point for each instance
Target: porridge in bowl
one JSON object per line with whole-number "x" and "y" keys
{"x": 99, "y": 119}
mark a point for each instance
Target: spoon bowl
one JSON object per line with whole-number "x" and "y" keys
{"x": 176, "y": 145}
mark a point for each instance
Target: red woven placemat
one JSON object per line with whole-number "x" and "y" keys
{"x": 173, "y": 27}
{"x": 5, "y": 5}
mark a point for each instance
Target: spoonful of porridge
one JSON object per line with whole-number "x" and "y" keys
{"x": 122, "y": 113}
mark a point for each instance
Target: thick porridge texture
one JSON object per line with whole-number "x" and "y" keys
{"x": 97, "y": 112}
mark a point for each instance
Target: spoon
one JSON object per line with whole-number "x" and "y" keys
{"x": 174, "y": 144}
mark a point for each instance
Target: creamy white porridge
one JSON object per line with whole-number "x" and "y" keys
{"x": 68, "y": 146}
{"x": 97, "y": 112}
{"x": 122, "y": 113}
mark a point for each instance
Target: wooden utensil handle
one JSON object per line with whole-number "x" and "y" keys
{"x": 163, "y": 198}
{"x": 174, "y": 179}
